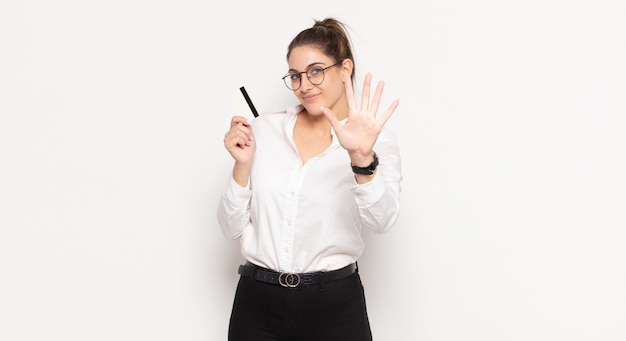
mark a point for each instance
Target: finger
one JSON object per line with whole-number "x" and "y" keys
{"x": 332, "y": 118}
{"x": 245, "y": 134}
{"x": 347, "y": 81}
{"x": 392, "y": 108}
{"x": 377, "y": 96}
{"x": 239, "y": 135}
{"x": 235, "y": 120}
{"x": 250, "y": 138}
{"x": 365, "y": 97}
{"x": 243, "y": 128}
{"x": 234, "y": 143}
{"x": 241, "y": 141}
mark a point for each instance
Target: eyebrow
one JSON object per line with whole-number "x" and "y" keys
{"x": 308, "y": 66}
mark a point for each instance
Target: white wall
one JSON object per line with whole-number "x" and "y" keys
{"x": 512, "y": 126}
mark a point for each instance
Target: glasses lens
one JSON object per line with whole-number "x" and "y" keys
{"x": 315, "y": 75}
{"x": 292, "y": 80}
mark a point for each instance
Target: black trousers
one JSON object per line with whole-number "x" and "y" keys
{"x": 331, "y": 311}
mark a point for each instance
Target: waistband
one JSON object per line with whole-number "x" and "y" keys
{"x": 292, "y": 280}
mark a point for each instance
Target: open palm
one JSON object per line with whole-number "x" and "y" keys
{"x": 360, "y": 131}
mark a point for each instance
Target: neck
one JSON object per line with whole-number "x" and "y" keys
{"x": 315, "y": 123}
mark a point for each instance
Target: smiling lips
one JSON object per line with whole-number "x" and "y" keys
{"x": 310, "y": 98}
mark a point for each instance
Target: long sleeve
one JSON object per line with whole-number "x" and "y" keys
{"x": 303, "y": 217}
{"x": 378, "y": 201}
{"x": 233, "y": 212}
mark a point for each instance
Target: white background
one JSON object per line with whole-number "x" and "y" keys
{"x": 512, "y": 124}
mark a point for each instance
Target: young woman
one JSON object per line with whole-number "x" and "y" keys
{"x": 306, "y": 181}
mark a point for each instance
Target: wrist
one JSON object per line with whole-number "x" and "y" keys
{"x": 361, "y": 159}
{"x": 365, "y": 166}
{"x": 241, "y": 173}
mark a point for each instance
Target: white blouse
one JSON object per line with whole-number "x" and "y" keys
{"x": 305, "y": 218}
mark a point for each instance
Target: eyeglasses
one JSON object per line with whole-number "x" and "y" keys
{"x": 315, "y": 75}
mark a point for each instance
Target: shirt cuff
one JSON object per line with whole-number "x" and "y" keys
{"x": 238, "y": 195}
{"x": 369, "y": 193}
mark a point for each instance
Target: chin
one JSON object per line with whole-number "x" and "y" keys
{"x": 313, "y": 110}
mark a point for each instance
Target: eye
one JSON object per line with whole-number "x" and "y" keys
{"x": 295, "y": 76}
{"x": 315, "y": 71}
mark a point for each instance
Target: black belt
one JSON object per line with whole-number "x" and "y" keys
{"x": 292, "y": 280}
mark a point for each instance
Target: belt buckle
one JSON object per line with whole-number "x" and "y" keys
{"x": 289, "y": 279}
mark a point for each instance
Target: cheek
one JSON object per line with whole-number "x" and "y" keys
{"x": 337, "y": 91}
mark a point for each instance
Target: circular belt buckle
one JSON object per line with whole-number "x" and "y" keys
{"x": 289, "y": 279}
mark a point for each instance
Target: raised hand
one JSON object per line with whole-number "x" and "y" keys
{"x": 360, "y": 131}
{"x": 239, "y": 140}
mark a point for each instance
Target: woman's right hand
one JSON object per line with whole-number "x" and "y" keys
{"x": 239, "y": 140}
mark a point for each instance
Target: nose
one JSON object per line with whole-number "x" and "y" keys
{"x": 306, "y": 84}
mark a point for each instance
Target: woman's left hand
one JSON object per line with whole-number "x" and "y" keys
{"x": 360, "y": 131}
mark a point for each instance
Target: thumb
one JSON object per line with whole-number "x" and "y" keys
{"x": 331, "y": 117}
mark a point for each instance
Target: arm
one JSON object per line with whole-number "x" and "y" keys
{"x": 233, "y": 212}
{"x": 361, "y": 130}
{"x": 377, "y": 200}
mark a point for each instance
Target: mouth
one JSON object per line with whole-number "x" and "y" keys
{"x": 310, "y": 98}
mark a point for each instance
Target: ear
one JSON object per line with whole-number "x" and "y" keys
{"x": 347, "y": 66}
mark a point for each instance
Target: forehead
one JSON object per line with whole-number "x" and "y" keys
{"x": 303, "y": 56}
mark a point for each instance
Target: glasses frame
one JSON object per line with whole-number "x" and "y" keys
{"x": 307, "y": 76}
